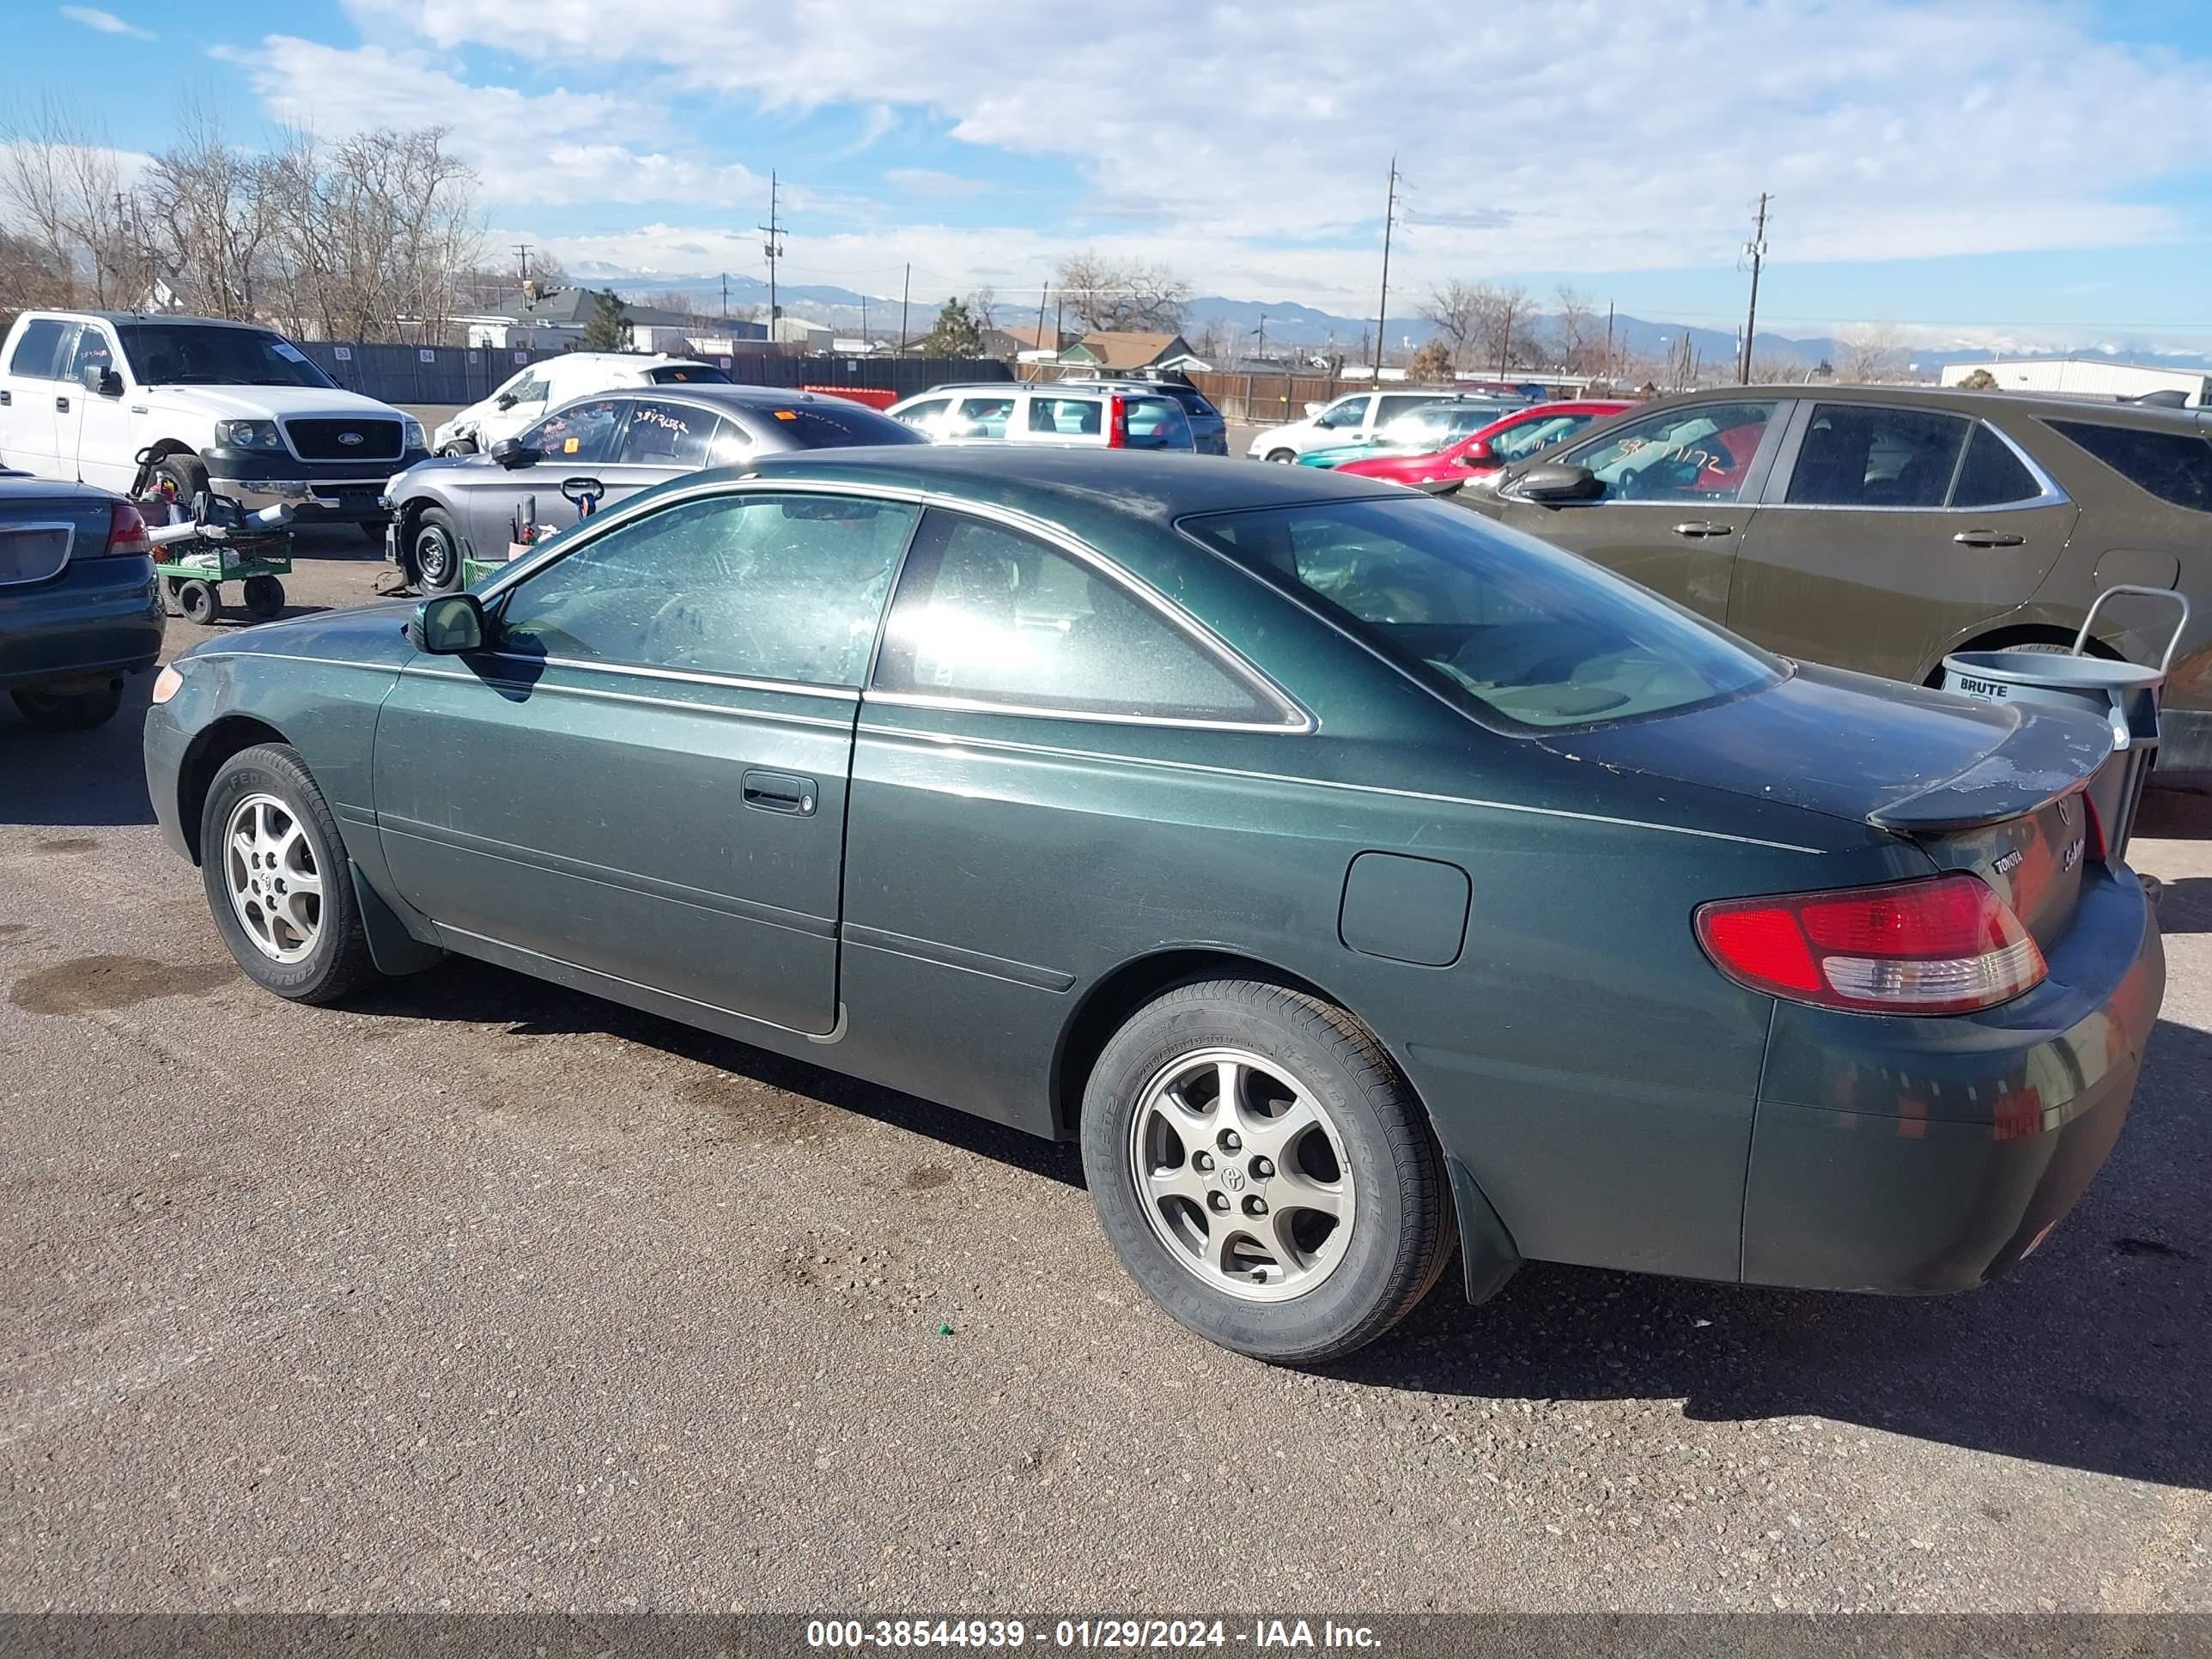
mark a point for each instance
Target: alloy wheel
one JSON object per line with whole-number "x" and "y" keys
{"x": 1242, "y": 1173}
{"x": 276, "y": 887}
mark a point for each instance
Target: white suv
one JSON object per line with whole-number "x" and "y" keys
{"x": 1049, "y": 412}
{"x": 1356, "y": 417}
{"x": 548, "y": 384}
{"x": 231, "y": 406}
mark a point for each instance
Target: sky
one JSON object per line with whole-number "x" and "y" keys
{"x": 2004, "y": 172}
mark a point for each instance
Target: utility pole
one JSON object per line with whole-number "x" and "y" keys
{"x": 906, "y": 292}
{"x": 1756, "y": 247}
{"x": 1261, "y": 354}
{"x": 725, "y": 302}
{"x": 522, "y": 253}
{"x": 1383, "y": 304}
{"x": 1608, "y": 340}
{"x": 1043, "y": 294}
{"x": 773, "y": 248}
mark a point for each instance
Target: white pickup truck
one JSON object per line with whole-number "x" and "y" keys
{"x": 231, "y": 406}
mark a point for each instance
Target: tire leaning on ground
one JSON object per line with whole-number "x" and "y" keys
{"x": 1263, "y": 1172}
{"x": 68, "y": 711}
{"x": 435, "y": 552}
{"x": 276, "y": 881}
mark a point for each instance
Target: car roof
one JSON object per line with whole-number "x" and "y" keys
{"x": 120, "y": 317}
{"x": 1057, "y": 483}
{"x": 1953, "y": 400}
{"x": 714, "y": 391}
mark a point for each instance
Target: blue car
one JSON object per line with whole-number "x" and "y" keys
{"x": 79, "y": 604}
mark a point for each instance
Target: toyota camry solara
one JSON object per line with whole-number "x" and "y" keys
{"x": 1351, "y": 876}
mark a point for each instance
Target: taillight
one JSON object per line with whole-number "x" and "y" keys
{"x": 126, "y": 531}
{"x": 1945, "y": 945}
{"x": 1118, "y": 424}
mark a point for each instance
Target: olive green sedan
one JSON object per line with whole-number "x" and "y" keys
{"x": 1352, "y": 876}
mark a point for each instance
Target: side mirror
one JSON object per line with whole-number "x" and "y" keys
{"x": 505, "y": 400}
{"x": 512, "y": 452}
{"x": 447, "y": 624}
{"x": 1477, "y": 455}
{"x": 1557, "y": 481}
{"x": 1313, "y": 410}
{"x": 103, "y": 382}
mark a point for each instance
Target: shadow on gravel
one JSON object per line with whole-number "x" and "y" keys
{"x": 88, "y": 777}
{"x": 2096, "y": 1353}
{"x": 2185, "y": 906}
{"x": 2177, "y": 808}
{"x": 476, "y": 993}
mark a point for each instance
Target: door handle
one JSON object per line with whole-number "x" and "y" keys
{"x": 7, "y": 399}
{"x": 1987, "y": 538}
{"x": 781, "y": 791}
{"x": 62, "y": 403}
{"x": 1704, "y": 527}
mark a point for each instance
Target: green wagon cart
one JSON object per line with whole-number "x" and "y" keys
{"x": 194, "y": 572}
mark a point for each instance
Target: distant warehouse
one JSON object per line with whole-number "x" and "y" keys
{"x": 2089, "y": 377}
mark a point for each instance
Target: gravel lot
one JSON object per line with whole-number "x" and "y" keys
{"x": 478, "y": 1294}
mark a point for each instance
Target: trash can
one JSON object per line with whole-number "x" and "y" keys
{"x": 2124, "y": 694}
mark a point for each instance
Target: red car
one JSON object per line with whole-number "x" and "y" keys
{"x": 1502, "y": 442}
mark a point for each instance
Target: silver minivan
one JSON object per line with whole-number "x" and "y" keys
{"x": 1074, "y": 416}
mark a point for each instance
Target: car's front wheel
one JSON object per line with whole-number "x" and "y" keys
{"x": 1282, "y": 457}
{"x": 277, "y": 884}
{"x": 1263, "y": 1172}
{"x": 434, "y": 550}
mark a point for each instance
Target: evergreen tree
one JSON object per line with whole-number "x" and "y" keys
{"x": 609, "y": 328}
{"x": 955, "y": 335}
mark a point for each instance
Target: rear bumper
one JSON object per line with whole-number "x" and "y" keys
{"x": 100, "y": 617}
{"x": 1920, "y": 1156}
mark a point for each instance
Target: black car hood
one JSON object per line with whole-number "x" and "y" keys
{"x": 1898, "y": 756}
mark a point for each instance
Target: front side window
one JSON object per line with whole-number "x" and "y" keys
{"x": 668, "y": 435}
{"x": 980, "y": 417}
{"x": 992, "y": 614}
{"x": 524, "y": 388}
{"x": 922, "y": 416}
{"x": 91, "y": 352}
{"x": 2174, "y": 467}
{"x": 1394, "y": 404}
{"x": 761, "y": 587}
{"x": 1702, "y": 453}
{"x": 35, "y": 351}
{"x": 1518, "y": 632}
{"x": 1349, "y": 412}
{"x": 579, "y": 434}
{"x": 1519, "y": 442}
{"x": 1861, "y": 455}
{"x": 199, "y": 354}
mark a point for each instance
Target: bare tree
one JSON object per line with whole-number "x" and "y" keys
{"x": 63, "y": 189}
{"x": 1576, "y": 331}
{"x": 982, "y": 306}
{"x": 1455, "y": 310}
{"x": 29, "y": 274}
{"x": 1504, "y": 317}
{"x": 209, "y": 214}
{"x": 1214, "y": 342}
{"x": 1869, "y": 351}
{"x": 1122, "y": 297}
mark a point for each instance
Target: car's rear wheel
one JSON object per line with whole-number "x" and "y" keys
{"x": 276, "y": 879}
{"x": 459, "y": 447}
{"x": 68, "y": 711}
{"x": 1263, "y": 1172}
{"x": 1283, "y": 457}
{"x": 434, "y": 550}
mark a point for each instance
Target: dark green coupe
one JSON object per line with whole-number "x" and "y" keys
{"x": 1349, "y": 874}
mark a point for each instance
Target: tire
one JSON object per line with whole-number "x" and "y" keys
{"x": 68, "y": 711}
{"x": 1283, "y": 457}
{"x": 307, "y": 953}
{"x": 459, "y": 447}
{"x": 263, "y": 596}
{"x": 187, "y": 472}
{"x": 1331, "y": 1289}
{"x": 434, "y": 552}
{"x": 200, "y": 601}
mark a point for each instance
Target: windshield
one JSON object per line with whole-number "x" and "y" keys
{"x": 1518, "y": 632}
{"x": 687, "y": 374}
{"x": 168, "y": 354}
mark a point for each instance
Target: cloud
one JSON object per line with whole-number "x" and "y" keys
{"x": 559, "y": 147}
{"x": 106, "y": 21}
{"x": 929, "y": 182}
{"x": 1610, "y": 138}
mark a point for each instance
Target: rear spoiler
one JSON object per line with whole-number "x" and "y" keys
{"x": 2050, "y": 752}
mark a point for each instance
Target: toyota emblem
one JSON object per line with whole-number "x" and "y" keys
{"x": 349, "y": 437}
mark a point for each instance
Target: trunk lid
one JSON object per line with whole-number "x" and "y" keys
{"x": 1993, "y": 788}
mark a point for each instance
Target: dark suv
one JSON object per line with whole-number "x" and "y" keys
{"x": 1880, "y": 527}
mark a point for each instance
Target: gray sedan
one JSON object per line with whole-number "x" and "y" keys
{"x": 448, "y": 510}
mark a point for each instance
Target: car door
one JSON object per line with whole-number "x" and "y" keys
{"x": 1889, "y": 531}
{"x": 1676, "y": 494}
{"x": 96, "y": 436}
{"x": 28, "y": 440}
{"x": 644, "y": 775}
{"x": 577, "y": 441}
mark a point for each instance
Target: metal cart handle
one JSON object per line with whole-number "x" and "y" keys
{"x": 2180, "y": 625}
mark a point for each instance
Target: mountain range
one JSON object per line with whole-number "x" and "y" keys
{"x": 1291, "y": 325}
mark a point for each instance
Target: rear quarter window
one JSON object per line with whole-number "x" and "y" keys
{"x": 2174, "y": 467}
